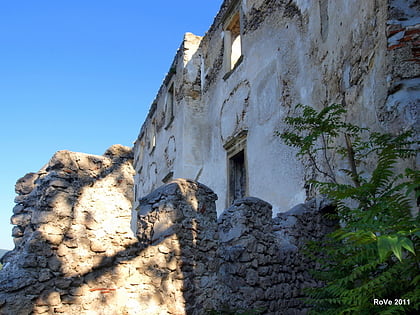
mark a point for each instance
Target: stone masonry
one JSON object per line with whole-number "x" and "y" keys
{"x": 177, "y": 225}
{"x": 262, "y": 266}
{"x": 181, "y": 260}
{"x": 81, "y": 249}
{"x": 72, "y": 220}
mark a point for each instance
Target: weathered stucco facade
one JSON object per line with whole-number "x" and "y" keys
{"x": 214, "y": 117}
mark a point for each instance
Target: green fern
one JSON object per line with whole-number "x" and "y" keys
{"x": 374, "y": 253}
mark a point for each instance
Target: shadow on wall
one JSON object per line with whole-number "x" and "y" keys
{"x": 70, "y": 220}
{"x": 75, "y": 252}
{"x": 178, "y": 224}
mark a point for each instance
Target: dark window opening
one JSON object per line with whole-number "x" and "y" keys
{"x": 237, "y": 177}
{"x": 169, "y": 106}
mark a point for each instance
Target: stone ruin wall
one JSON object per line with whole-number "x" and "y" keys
{"x": 76, "y": 254}
{"x": 262, "y": 265}
{"x": 72, "y": 221}
{"x": 401, "y": 110}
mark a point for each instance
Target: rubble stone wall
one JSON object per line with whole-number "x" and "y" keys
{"x": 75, "y": 251}
{"x": 262, "y": 265}
{"x": 179, "y": 220}
{"x": 403, "y": 58}
{"x": 72, "y": 226}
{"x": 76, "y": 254}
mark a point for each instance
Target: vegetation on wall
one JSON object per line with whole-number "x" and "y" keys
{"x": 370, "y": 264}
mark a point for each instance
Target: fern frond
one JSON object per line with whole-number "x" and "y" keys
{"x": 371, "y": 210}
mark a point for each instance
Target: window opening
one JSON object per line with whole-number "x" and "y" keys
{"x": 169, "y": 106}
{"x": 233, "y": 41}
{"x": 237, "y": 177}
{"x": 152, "y": 137}
{"x": 237, "y": 167}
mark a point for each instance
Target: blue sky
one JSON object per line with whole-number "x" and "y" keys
{"x": 80, "y": 75}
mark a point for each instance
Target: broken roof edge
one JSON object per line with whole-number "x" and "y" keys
{"x": 224, "y": 10}
{"x": 167, "y": 78}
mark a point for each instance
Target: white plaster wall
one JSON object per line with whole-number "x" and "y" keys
{"x": 273, "y": 173}
{"x": 315, "y": 52}
{"x": 286, "y": 62}
{"x": 178, "y": 145}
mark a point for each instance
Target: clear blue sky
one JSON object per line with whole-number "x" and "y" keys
{"x": 80, "y": 75}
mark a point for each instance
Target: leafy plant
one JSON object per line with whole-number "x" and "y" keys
{"x": 373, "y": 255}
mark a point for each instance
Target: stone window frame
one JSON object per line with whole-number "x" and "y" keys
{"x": 232, "y": 25}
{"x": 234, "y": 146}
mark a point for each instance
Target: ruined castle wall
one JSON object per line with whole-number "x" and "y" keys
{"x": 182, "y": 260}
{"x": 72, "y": 223}
{"x": 75, "y": 252}
{"x": 169, "y": 145}
{"x": 262, "y": 265}
{"x": 403, "y": 55}
{"x": 363, "y": 54}
{"x": 310, "y": 52}
{"x": 177, "y": 225}
{"x": 245, "y": 260}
